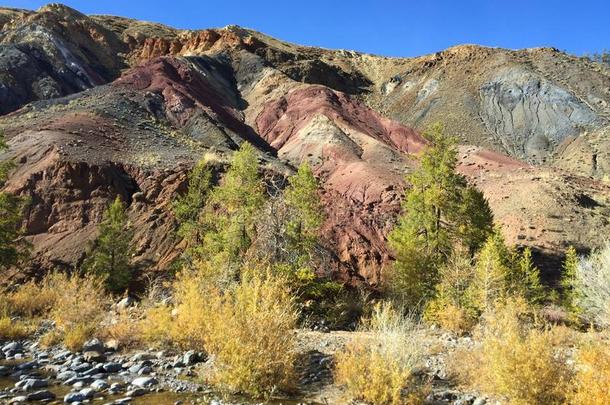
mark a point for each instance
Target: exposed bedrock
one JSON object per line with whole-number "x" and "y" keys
{"x": 530, "y": 116}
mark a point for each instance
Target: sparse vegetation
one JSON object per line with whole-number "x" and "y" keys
{"x": 515, "y": 360}
{"x": 379, "y": 366}
{"x": 591, "y": 286}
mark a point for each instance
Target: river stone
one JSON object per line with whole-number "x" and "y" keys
{"x": 144, "y": 382}
{"x": 112, "y": 367}
{"x": 93, "y": 345}
{"x": 12, "y": 346}
{"x": 94, "y": 356}
{"x": 43, "y": 395}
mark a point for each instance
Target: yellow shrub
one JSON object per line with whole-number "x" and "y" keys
{"x": 514, "y": 360}
{"x": 124, "y": 329}
{"x": 80, "y": 308}
{"x": 33, "y": 299}
{"x": 249, "y": 330}
{"x": 377, "y": 366}
{"x": 592, "y": 380}
{"x": 156, "y": 327}
{"x": 12, "y": 329}
{"x": 450, "y": 317}
{"x": 188, "y": 329}
{"x": 77, "y": 334}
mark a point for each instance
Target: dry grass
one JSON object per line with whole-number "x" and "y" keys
{"x": 514, "y": 361}
{"x": 592, "y": 379}
{"x": 76, "y": 304}
{"x": 76, "y": 335}
{"x": 378, "y": 368}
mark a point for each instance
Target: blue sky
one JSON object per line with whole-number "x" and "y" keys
{"x": 385, "y": 27}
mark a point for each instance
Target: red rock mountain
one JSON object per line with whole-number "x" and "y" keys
{"x": 99, "y": 106}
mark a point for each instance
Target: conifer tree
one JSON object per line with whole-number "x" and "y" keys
{"x": 307, "y": 214}
{"x": 569, "y": 281}
{"x": 110, "y": 254}
{"x": 230, "y": 215}
{"x": 525, "y": 278}
{"x": 491, "y": 270}
{"x": 440, "y": 211}
{"x": 188, "y": 207}
{"x": 12, "y": 249}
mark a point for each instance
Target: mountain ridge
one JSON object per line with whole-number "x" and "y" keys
{"x": 531, "y": 122}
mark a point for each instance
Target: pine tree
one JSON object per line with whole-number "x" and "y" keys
{"x": 12, "y": 249}
{"x": 440, "y": 211}
{"x": 110, "y": 254}
{"x": 188, "y": 207}
{"x": 569, "y": 281}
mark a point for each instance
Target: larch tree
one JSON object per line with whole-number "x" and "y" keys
{"x": 110, "y": 253}
{"x": 440, "y": 212}
{"x": 569, "y": 281}
{"x": 491, "y": 271}
{"x": 188, "y": 207}
{"x": 229, "y": 217}
{"x": 13, "y": 249}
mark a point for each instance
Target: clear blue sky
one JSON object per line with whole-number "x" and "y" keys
{"x": 386, "y": 27}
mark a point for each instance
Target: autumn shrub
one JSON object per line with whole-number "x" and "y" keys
{"x": 124, "y": 328}
{"x": 591, "y": 286}
{"x": 514, "y": 360}
{"x": 12, "y": 329}
{"x": 378, "y": 365}
{"x": 80, "y": 308}
{"x": 191, "y": 294}
{"x": 157, "y": 326}
{"x": 249, "y": 331}
{"x": 30, "y": 300}
{"x": 592, "y": 379}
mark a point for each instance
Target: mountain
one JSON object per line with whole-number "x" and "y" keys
{"x": 95, "y": 106}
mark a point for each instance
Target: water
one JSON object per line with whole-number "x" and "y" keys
{"x": 153, "y": 398}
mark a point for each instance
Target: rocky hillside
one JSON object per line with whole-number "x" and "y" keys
{"x": 96, "y": 106}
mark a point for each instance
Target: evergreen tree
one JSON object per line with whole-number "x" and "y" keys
{"x": 569, "y": 281}
{"x": 110, "y": 254}
{"x": 188, "y": 207}
{"x": 12, "y": 249}
{"x": 440, "y": 211}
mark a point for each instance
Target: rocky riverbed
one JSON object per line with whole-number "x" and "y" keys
{"x": 99, "y": 374}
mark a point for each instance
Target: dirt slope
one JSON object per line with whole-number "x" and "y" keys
{"x": 117, "y": 106}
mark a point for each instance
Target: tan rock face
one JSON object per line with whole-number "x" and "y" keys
{"x": 144, "y": 101}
